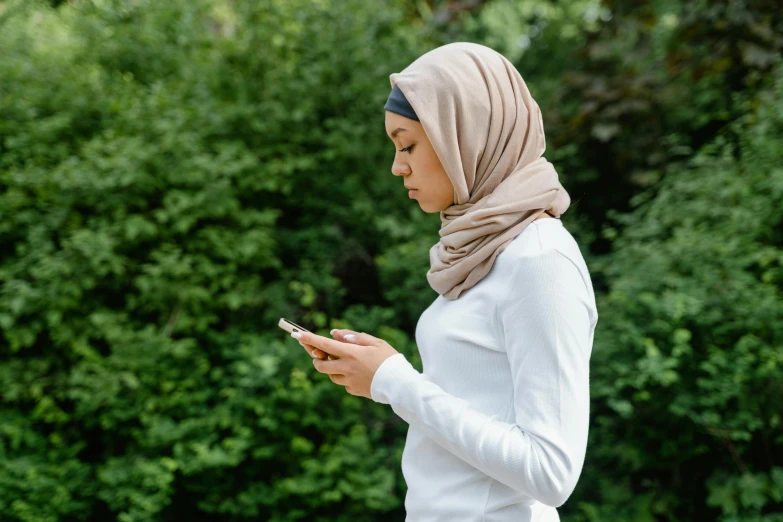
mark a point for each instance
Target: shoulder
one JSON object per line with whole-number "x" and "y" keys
{"x": 543, "y": 272}
{"x": 546, "y": 259}
{"x": 545, "y": 288}
{"x": 545, "y": 246}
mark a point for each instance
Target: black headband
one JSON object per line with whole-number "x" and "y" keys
{"x": 399, "y": 104}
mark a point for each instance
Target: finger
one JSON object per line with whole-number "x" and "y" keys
{"x": 335, "y": 348}
{"x": 329, "y": 367}
{"x": 325, "y": 356}
{"x": 318, "y": 354}
{"x": 315, "y": 352}
{"x": 312, "y": 351}
{"x": 359, "y": 338}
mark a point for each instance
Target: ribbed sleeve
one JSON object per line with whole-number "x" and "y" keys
{"x": 544, "y": 322}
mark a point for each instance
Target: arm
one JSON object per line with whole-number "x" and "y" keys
{"x": 544, "y": 322}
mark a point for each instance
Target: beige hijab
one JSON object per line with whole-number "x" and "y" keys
{"x": 489, "y": 135}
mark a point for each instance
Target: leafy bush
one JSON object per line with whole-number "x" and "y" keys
{"x": 175, "y": 176}
{"x": 172, "y": 175}
{"x": 688, "y": 365}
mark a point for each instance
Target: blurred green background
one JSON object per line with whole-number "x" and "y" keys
{"x": 175, "y": 176}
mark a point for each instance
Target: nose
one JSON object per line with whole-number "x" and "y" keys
{"x": 400, "y": 169}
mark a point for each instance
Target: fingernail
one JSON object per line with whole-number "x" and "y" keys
{"x": 296, "y": 335}
{"x": 331, "y": 332}
{"x": 313, "y": 353}
{"x": 349, "y": 337}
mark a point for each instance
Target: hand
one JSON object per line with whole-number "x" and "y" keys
{"x": 315, "y": 353}
{"x": 356, "y": 361}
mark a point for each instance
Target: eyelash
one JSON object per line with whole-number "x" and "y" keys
{"x": 407, "y": 149}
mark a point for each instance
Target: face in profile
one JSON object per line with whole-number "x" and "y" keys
{"x": 418, "y": 165}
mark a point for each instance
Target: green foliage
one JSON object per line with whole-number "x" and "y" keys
{"x": 629, "y": 89}
{"x": 688, "y": 364}
{"x": 173, "y": 175}
{"x": 176, "y": 176}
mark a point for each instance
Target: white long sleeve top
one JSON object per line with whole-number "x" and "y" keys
{"x": 498, "y": 418}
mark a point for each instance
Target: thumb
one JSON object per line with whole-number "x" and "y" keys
{"x": 350, "y": 336}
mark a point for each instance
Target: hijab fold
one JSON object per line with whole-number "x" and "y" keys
{"x": 488, "y": 133}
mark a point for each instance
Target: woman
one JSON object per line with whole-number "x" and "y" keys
{"x": 498, "y": 419}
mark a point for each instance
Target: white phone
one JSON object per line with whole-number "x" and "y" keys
{"x": 291, "y": 327}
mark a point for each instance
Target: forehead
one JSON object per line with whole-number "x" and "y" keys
{"x": 394, "y": 120}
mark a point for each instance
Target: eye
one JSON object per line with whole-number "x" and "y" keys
{"x": 407, "y": 149}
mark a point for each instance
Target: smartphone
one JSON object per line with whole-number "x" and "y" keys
{"x": 291, "y": 327}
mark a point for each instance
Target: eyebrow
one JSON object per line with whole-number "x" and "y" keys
{"x": 397, "y": 131}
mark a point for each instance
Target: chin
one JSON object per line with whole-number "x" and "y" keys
{"x": 433, "y": 209}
